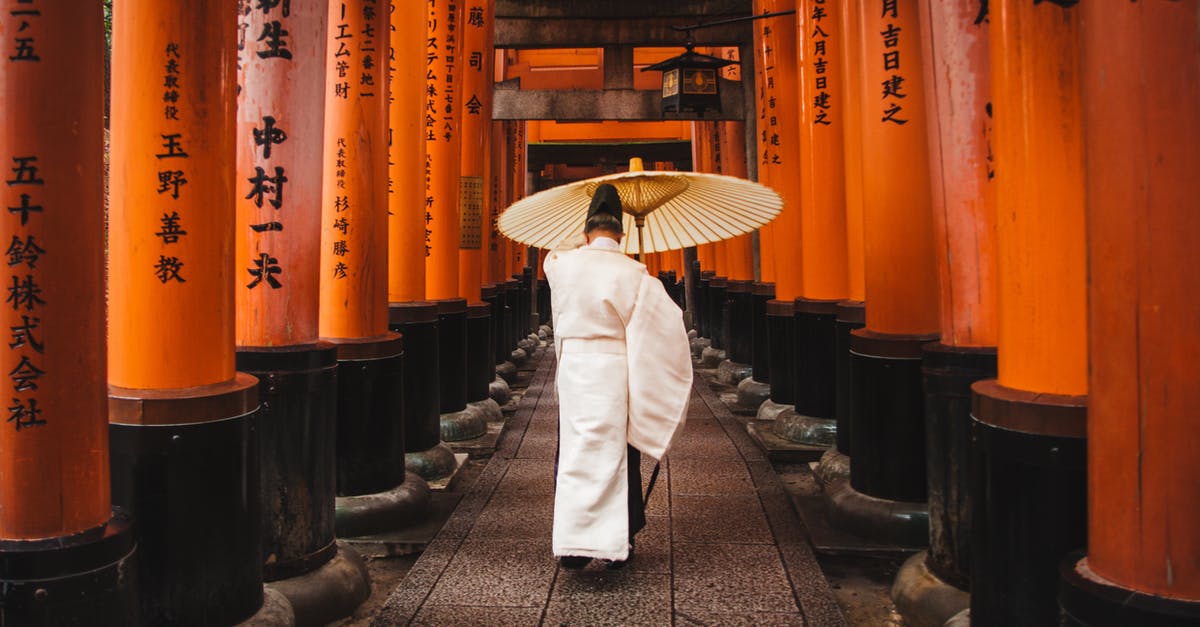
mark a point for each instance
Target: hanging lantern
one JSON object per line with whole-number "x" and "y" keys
{"x": 690, "y": 82}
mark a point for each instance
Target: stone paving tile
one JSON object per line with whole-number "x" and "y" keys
{"x": 710, "y": 476}
{"x": 728, "y": 518}
{"x": 525, "y": 517}
{"x": 466, "y": 616}
{"x": 690, "y": 619}
{"x": 527, "y": 476}
{"x": 730, "y": 578}
{"x": 652, "y": 547}
{"x": 609, "y": 598}
{"x": 497, "y": 573}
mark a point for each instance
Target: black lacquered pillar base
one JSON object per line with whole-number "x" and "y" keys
{"x": 812, "y": 422}
{"x": 185, "y": 466}
{"x": 1089, "y": 601}
{"x": 739, "y": 323}
{"x": 754, "y": 391}
{"x": 949, "y": 372}
{"x": 835, "y": 463}
{"x": 297, "y": 435}
{"x": 480, "y": 369}
{"x": 1027, "y": 501}
{"x": 885, "y": 498}
{"x": 425, "y": 454}
{"x": 82, "y": 580}
{"x": 459, "y": 421}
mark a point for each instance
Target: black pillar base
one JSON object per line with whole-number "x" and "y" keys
{"x": 81, "y": 580}
{"x": 851, "y": 315}
{"x": 949, "y": 372}
{"x": 812, "y": 423}
{"x": 1027, "y": 501}
{"x": 887, "y": 416}
{"x": 297, "y": 431}
{"x": 1089, "y": 601}
{"x": 185, "y": 465}
{"x": 370, "y": 426}
{"x": 781, "y": 338}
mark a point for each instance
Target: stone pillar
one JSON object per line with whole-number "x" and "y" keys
{"x": 65, "y": 556}
{"x": 822, "y": 224}
{"x": 886, "y": 495}
{"x": 1143, "y": 265}
{"x": 1027, "y": 496}
{"x": 779, "y": 161}
{"x": 932, "y": 586}
{"x": 280, "y": 122}
{"x": 375, "y": 493}
{"x": 183, "y": 426}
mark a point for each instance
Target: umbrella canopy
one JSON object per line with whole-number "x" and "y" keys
{"x": 670, "y": 210}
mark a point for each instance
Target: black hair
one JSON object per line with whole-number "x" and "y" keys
{"x": 603, "y": 221}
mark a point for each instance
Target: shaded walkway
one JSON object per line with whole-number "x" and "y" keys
{"x": 722, "y": 545}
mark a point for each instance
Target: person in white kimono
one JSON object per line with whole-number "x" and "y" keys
{"x": 624, "y": 380}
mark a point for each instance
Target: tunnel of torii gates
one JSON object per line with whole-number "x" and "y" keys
{"x": 978, "y": 308}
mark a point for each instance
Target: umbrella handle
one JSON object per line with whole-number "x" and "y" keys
{"x": 640, "y": 221}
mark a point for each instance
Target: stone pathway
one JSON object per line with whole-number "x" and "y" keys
{"x": 722, "y": 545}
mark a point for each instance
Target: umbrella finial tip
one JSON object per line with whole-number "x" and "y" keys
{"x": 635, "y": 164}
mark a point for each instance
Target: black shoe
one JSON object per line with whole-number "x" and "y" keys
{"x": 573, "y": 562}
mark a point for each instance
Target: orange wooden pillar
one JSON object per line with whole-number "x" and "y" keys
{"x": 957, "y": 95}
{"x": 779, "y": 158}
{"x": 822, "y": 217}
{"x": 183, "y": 443}
{"x": 408, "y": 313}
{"x": 886, "y": 494}
{"x": 1029, "y": 432}
{"x": 280, "y": 123}
{"x": 354, "y": 284}
{"x": 54, "y": 468}
{"x": 1143, "y": 266}
{"x": 476, "y": 128}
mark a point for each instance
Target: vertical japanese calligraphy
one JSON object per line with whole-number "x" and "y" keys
{"x": 407, "y": 238}
{"x": 354, "y": 233}
{"x": 443, "y": 141}
{"x": 280, "y": 121}
{"x": 172, "y": 193}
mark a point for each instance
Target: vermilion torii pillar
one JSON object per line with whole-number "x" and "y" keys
{"x": 476, "y": 113}
{"x": 1141, "y": 92}
{"x": 822, "y": 226}
{"x": 408, "y": 312}
{"x": 1027, "y": 496}
{"x": 184, "y": 452}
{"x": 779, "y": 157}
{"x": 932, "y": 585}
{"x": 375, "y": 493}
{"x": 885, "y": 497}
{"x": 444, "y": 105}
{"x": 54, "y": 471}
{"x": 281, "y": 121}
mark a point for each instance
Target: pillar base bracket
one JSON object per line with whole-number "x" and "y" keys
{"x": 883, "y": 520}
{"x": 752, "y": 394}
{"x": 329, "y": 593}
{"x": 369, "y": 514}
{"x": 711, "y": 357}
{"x": 1087, "y": 600}
{"x": 923, "y": 598}
{"x": 730, "y": 372}
{"x": 809, "y": 430}
{"x": 467, "y": 423}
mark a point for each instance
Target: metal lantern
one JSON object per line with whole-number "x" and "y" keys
{"x": 690, "y": 82}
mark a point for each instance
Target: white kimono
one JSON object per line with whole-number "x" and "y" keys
{"x": 624, "y": 375}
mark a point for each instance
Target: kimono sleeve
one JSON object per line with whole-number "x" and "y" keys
{"x": 660, "y": 370}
